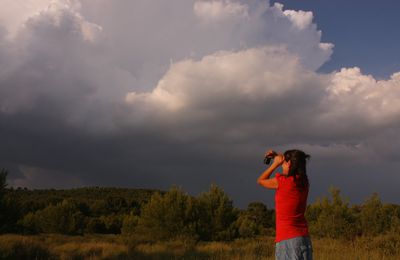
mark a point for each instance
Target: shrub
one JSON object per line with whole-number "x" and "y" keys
{"x": 95, "y": 225}
{"x": 64, "y": 218}
{"x": 331, "y": 218}
{"x": 371, "y": 218}
{"x": 216, "y": 215}
{"x": 168, "y": 216}
{"x": 129, "y": 224}
{"x": 248, "y": 227}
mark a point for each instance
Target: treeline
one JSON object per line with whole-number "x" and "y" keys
{"x": 156, "y": 215}
{"x": 72, "y": 211}
{"x": 335, "y": 218}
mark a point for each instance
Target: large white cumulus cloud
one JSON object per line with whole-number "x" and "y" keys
{"x": 216, "y": 82}
{"x": 362, "y": 96}
{"x": 233, "y": 93}
{"x": 268, "y": 91}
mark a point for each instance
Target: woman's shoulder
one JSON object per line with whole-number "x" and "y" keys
{"x": 290, "y": 181}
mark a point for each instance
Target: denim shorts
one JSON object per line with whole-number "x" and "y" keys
{"x": 298, "y": 248}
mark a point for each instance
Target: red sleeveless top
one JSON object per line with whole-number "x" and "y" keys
{"x": 290, "y": 206}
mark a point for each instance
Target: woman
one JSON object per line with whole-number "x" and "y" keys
{"x": 291, "y": 191}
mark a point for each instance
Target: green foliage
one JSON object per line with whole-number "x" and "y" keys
{"x": 248, "y": 227}
{"x": 394, "y": 222}
{"x": 336, "y": 219}
{"x": 115, "y": 204}
{"x": 112, "y": 223}
{"x": 372, "y": 219}
{"x": 102, "y": 209}
{"x": 3, "y": 183}
{"x": 216, "y": 215}
{"x": 261, "y": 214}
{"x": 168, "y": 216}
{"x": 331, "y": 218}
{"x": 64, "y": 218}
{"x": 95, "y": 225}
{"x": 129, "y": 224}
{"x": 153, "y": 215}
{"x": 255, "y": 220}
{"x": 29, "y": 223}
{"x": 99, "y": 200}
{"x": 9, "y": 210}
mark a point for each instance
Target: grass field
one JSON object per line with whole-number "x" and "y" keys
{"x": 119, "y": 247}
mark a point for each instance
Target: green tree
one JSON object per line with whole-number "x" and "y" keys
{"x": 98, "y": 207}
{"x": 29, "y": 223}
{"x": 168, "y": 216}
{"x": 112, "y": 223}
{"x": 9, "y": 208}
{"x": 394, "y": 215}
{"x": 371, "y": 217}
{"x": 129, "y": 224}
{"x": 115, "y": 204}
{"x": 3, "y": 185}
{"x": 395, "y": 225}
{"x": 247, "y": 226}
{"x": 3, "y": 182}
{"x": 255, "y": 220}
{"x": 331, "y": 218}
{"x": 216, "y": 215}
{"x": 64, "y": 218}
{"x": 95, "y": 225}
{"x": 259, "y": 212}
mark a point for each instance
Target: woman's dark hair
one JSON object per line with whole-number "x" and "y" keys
{"x": 297, "y": 160}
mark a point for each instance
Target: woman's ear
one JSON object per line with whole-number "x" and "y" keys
{"x": 288, "y": 163}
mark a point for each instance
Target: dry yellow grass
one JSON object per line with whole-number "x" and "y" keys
{"x": 117, "y": 247}
{"x": 381, "y": 247}
{"x": 90, "y": 250}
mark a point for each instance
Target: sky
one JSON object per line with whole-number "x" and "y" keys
{"x": 365, "y": 33}
{"x": 153, "y": 93}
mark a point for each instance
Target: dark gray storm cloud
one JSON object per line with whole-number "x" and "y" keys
{"x": 151, "y": 94}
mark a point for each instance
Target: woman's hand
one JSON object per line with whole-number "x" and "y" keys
{"x": 265, "y": 180}
{"x": 278, "y": 158}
